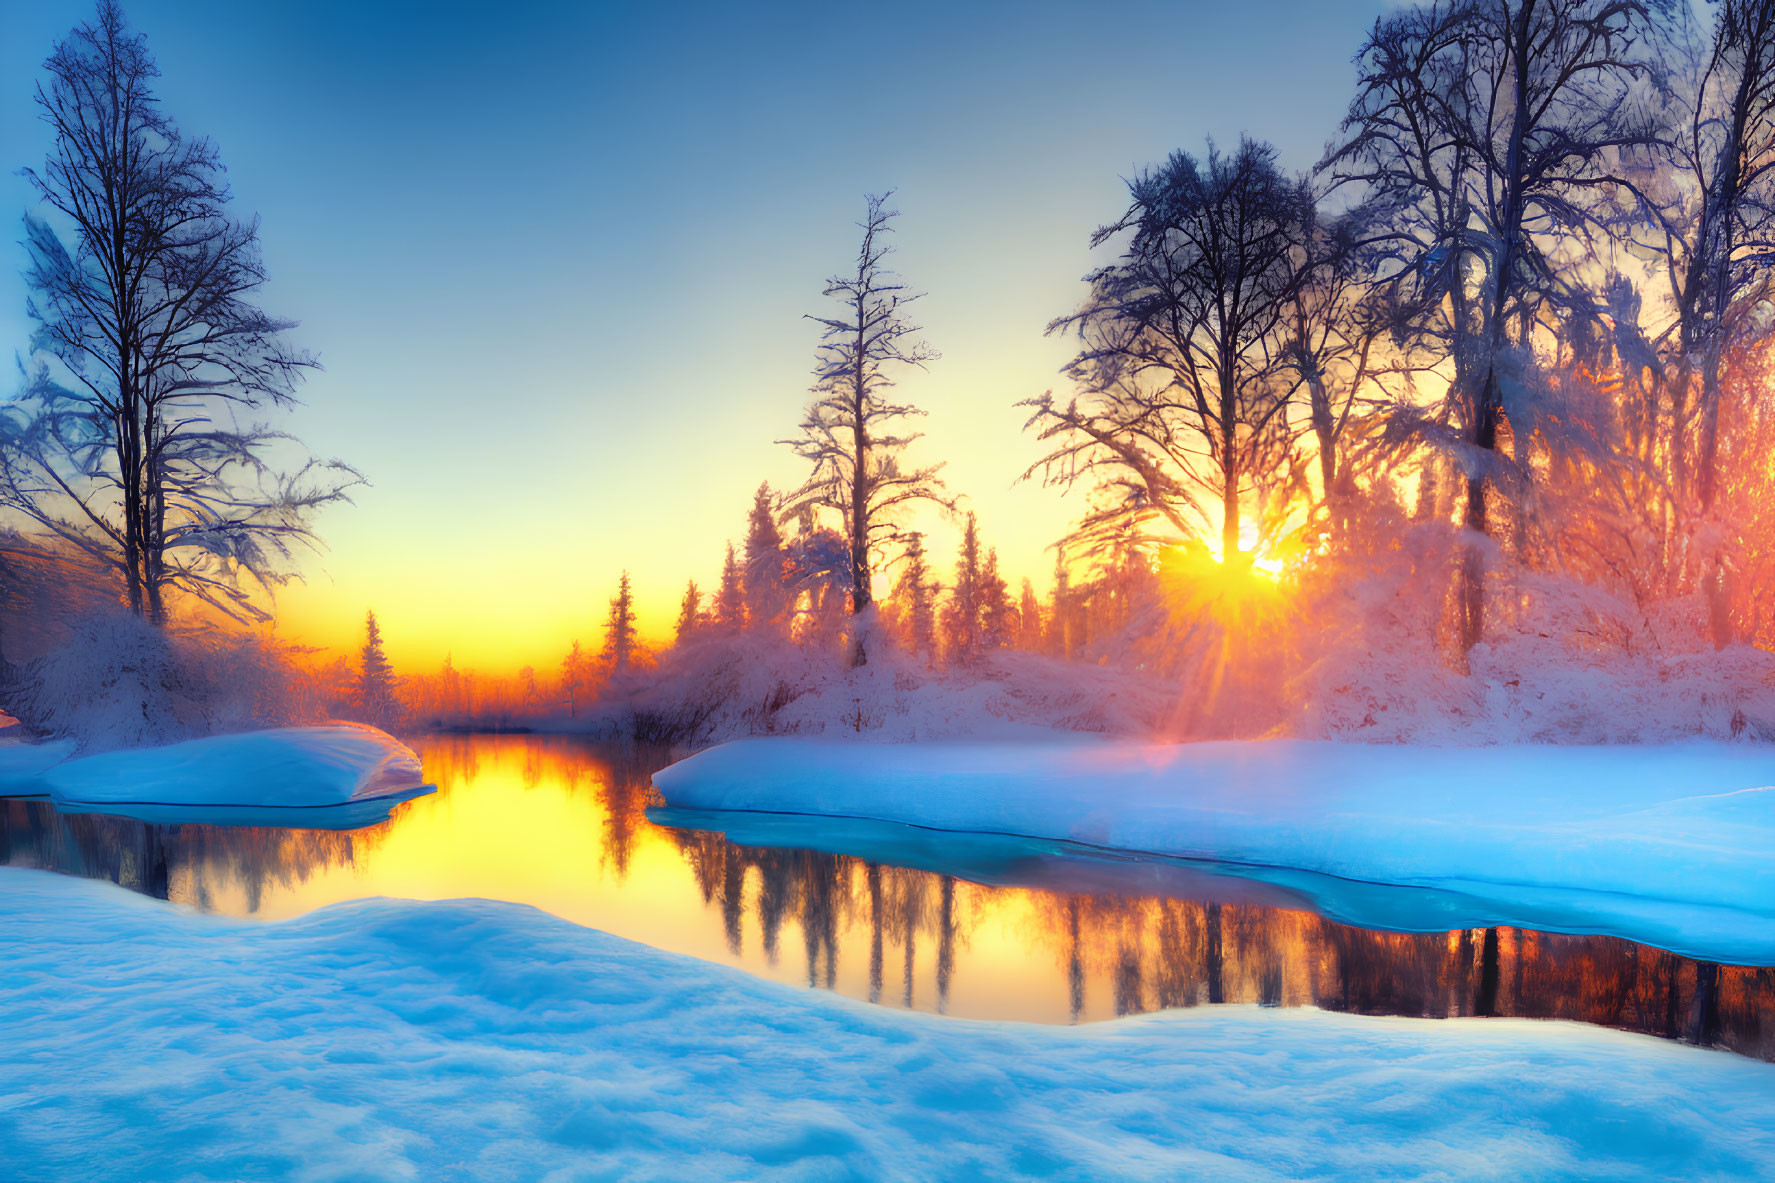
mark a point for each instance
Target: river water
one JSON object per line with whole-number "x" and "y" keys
{"x": 962, "y": 925}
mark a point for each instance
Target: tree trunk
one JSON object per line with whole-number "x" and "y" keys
{"x": 1485, "y": 1000}
{"x": 1719, "y": 616}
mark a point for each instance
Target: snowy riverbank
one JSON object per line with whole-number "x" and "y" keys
{"x": 334, "y": 776}
{"x": 479, "y": 1040}
{"x": 1673, "y": 845}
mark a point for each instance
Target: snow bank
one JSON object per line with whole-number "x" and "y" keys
{"x": 287, "y": 768}
{"x": 1670, "y": 845}
{"x": 22, "y": 766}
{"x": 479, "y": 1040}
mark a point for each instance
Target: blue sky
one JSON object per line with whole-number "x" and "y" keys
{"x": 555, "y": 257}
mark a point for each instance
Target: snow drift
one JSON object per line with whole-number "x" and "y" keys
{"x": 1670, "y": 845}
{"x": 334, "y": 765}
{"x": 23, "y": 765}
{"x": 471, "y": 1039}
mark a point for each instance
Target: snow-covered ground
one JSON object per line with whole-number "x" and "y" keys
{"x": 479, "y": 1040}
{"x": 336, "y": 775}
{"x": 1673, "y": 845}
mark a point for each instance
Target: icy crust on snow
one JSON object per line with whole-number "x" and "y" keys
{"x": 390, "y": 1039}
{"x": 1673, "y": 845}
{"x": 288, "y": 768}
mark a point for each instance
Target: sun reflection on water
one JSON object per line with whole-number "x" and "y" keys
{"x": 562, "y": 825}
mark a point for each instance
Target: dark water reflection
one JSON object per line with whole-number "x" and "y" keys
{"x": 563, "y": 825}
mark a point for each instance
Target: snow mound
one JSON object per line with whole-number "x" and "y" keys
{"x": 470, "y": 1039}
{"x": 23, "y": 765}
{"x": 1670, "y": 845}
{"x": 337, "y": 764}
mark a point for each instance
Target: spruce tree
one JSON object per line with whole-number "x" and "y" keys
{"x": 619, "y": 629}
{"x": 914, "y": 594}
{"x": 730, "y": 598}
{"x": 375, "y": 685}
{"x": 996, "y": 610}
{"x": 766, "y": 603}
{"x": 689, "y": 613}
{"x": 962, "y": 619}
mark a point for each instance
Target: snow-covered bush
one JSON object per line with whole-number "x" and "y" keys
{"x": 115, "y": 681}
{"x": 723, "y": 686}
{"x": 1564, "y": 661}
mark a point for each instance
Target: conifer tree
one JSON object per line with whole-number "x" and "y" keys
{"x": 765, "y": 577}
{"x": 730, "y": 597}
{"x": 1060, "y": 611}
{"x": 1029, "y": 619}
{"x": 573, "y": 678}
{"x": 619, "y": 629}
{"x": 961, "y": 619}
{"x": 996, "y": 611}
{"x": 690, "y": 610}
{"x": 375, "y": 687}
{"x": 915, "y": 593}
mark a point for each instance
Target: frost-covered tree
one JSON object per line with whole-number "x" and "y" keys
{"x": 1065, "y": 631}
{"x": 997, "y": 614}
{"x": 619, "y": 629}
{"x": 1029, "y": 619}
{"x": 1491, "y": 133}
{"x": 690, "y": 614}
{"x": 961, "y": 615}
{"x": 915, "y": 595}
{"x": 1181, "y": 411}
{"x": 375, "y": 682}
{"x": 730, "y": 597}
{"x": 852, "y": 434}
{"x": 1712, "y": 220}
{"x": 576, "y": 678}
{"x": 134, "y": 445}
{"x": 767, "y": 604}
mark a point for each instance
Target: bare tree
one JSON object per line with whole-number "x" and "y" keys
{"x": 1712, "y": 222}
{"x": 139, "y": 454}
{"x": 1490, "y": 130}
{"x": 1184, "y": 375}
{"x": 851, "y": 433}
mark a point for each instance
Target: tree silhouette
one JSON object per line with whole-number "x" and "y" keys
{"x": 375, "y": 685}
{"x": 851, "y": 432}
{"x": 132, "y": 450}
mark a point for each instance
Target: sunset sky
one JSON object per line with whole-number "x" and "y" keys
{"x": 555, "y": 257}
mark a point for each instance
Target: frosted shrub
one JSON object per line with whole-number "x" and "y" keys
{"x": 116, "y": 681}
{"x": 725, "y": 686}
{"x": 1564, "y": 662}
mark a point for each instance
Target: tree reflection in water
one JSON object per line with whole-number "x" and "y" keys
{"x": 865, "y": 924}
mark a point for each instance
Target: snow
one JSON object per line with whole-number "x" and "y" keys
{"x": 473, "y": 1039}
{"x": 231, "y": 778}
{"x": 22, "y": 766}
{"x": 1672, "y": 845}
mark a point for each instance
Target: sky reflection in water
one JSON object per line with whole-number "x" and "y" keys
{"x": 563, "y": 825}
